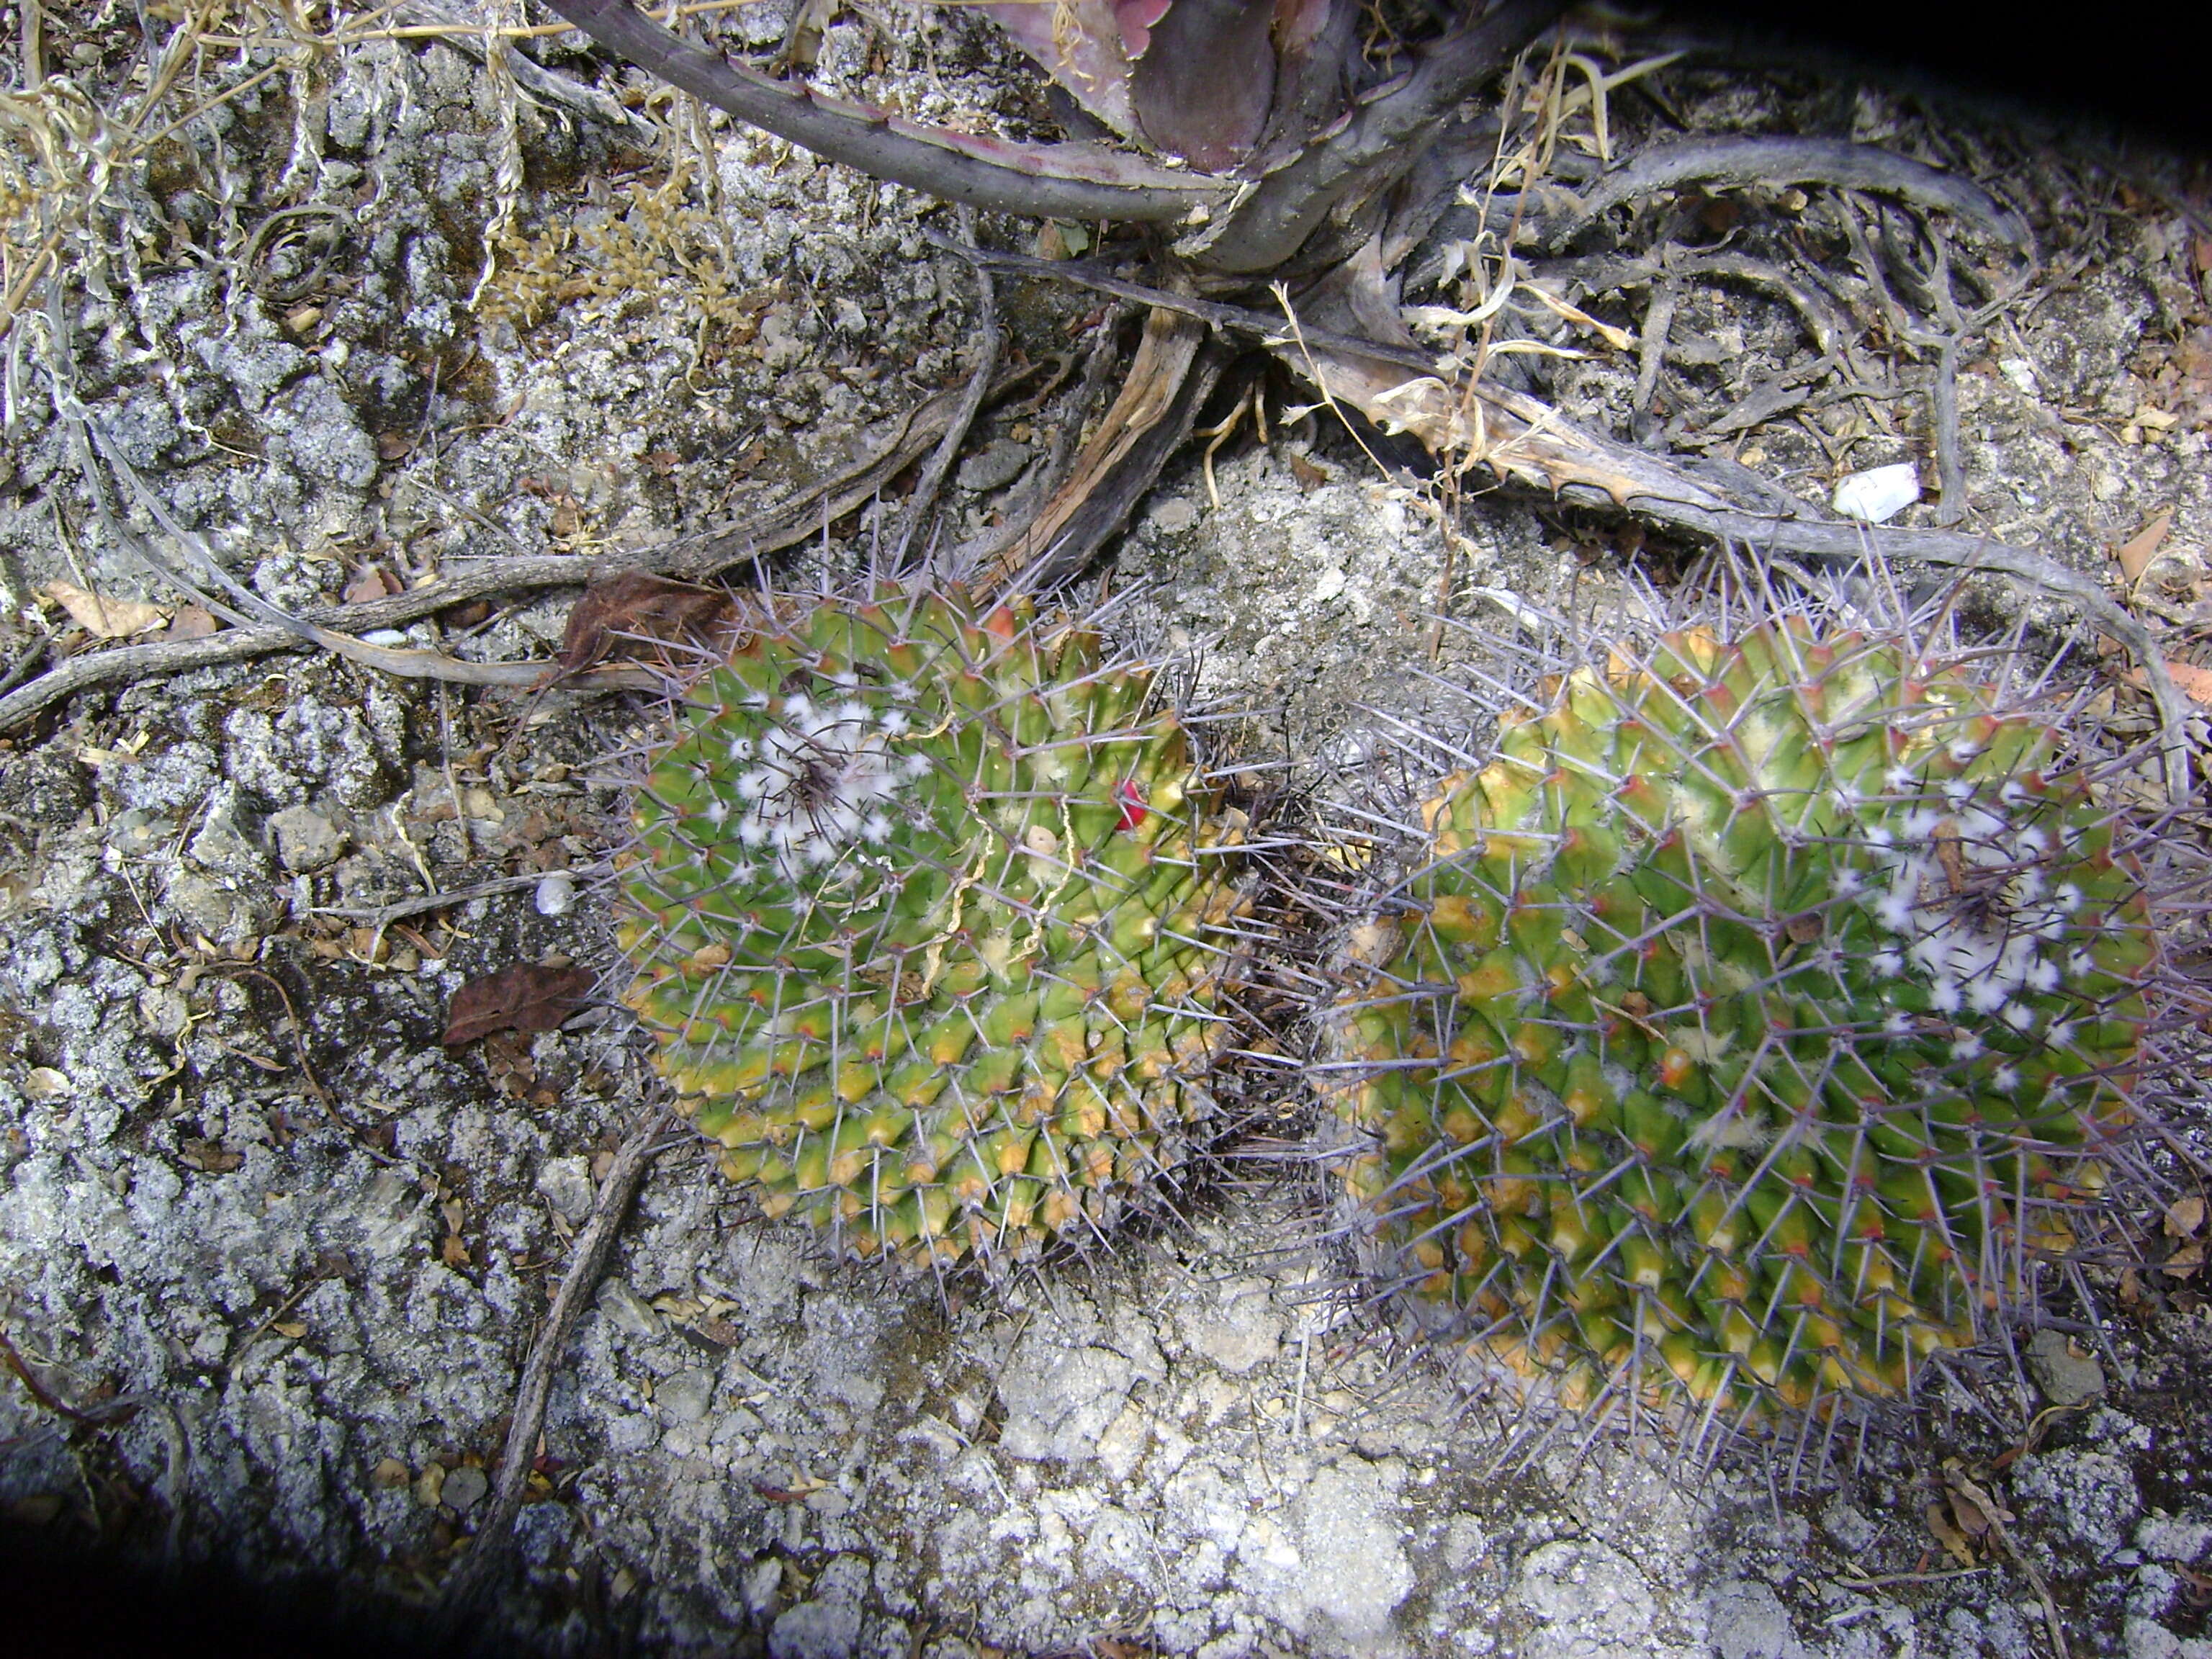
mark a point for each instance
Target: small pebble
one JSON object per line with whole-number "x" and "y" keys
{"x": 464, "y": 1489}
{"x": 557, "y": 894}
{"x": 1879, "y": 493}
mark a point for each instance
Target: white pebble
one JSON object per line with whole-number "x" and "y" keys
{"x": 1879, "y": 493}
{"x": 556, "y": 893}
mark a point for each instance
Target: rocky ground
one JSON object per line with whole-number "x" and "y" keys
{"x": 270, "y": 1255}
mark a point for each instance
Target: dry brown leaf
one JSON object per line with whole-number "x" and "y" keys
{"x": 521, "y": 998}
{"x": 2184, "y": 1217}
{"x": 211, "y": 1157}
{"x": 2196, "y": 682}
{"x": 375, "y": 582}
{"x": 1952, "y": 1540}
{"x": 2134, "y": 555}
{"x": 616, "y": 618}
{"x": 104, "y": 618}
{"x": 191, "y": 622}
{"x": 2185, "y": 1262}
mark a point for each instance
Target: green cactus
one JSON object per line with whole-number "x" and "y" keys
{"x": 925, "y": 908}
{"x": 1757, "y": 1013}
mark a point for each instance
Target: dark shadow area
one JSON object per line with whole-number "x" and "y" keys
{"x": 59, "y": 1603}
{"x": 2126, "y": 73}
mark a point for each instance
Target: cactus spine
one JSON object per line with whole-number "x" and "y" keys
{"x": 924, "y": 908}
{"x": 1750, "y": 1018}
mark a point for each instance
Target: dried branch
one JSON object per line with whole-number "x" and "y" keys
{"x": 700, "y": 555}
{"x": 1050, "y": 181}
{"x": 480, "y": 1568}
{"x": 1737, "y": 161}
{"x": 1148, "y": 420}
{"x": 987, "y": 335}
{"x": 1524, "y": 437}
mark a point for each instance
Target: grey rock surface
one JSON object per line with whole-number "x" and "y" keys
{"x": 244, "y": 1186}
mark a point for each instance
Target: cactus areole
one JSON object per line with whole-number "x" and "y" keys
{"x": 923, "y": 906}
{"x": 1759, "y": 1013}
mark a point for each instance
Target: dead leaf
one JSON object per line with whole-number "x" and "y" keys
{"x": 616, "y": 616}
{"x": 2185, "y": 1262}
{"x": 388, "y": 1474}
{"x": 191, "y": 622}
{"x": 1953, "y": 1542}
{"x": 291, "y": 1329}
{"x": 453, "y": 1252}
{"x": 104, "y": 618}
{"x": 2196, "y": 682}
{"x": 521, "y": 998}
{"x": 2184, "y": 1217}
{"x": 44, "y": 1082}
{"x": 791, "y": 1494}
{"x": 2134, "y": 555}
{"x": 211, "y": 1157}
{"x": 374, "y": 583}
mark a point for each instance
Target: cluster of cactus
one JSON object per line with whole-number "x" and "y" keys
{"x": 1748, "y": 1025}
{"x": 927, "y": 907}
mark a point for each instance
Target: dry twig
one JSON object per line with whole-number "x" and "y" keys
{"x": 988, "y": 336}
{"x": 480, "y": 1568}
